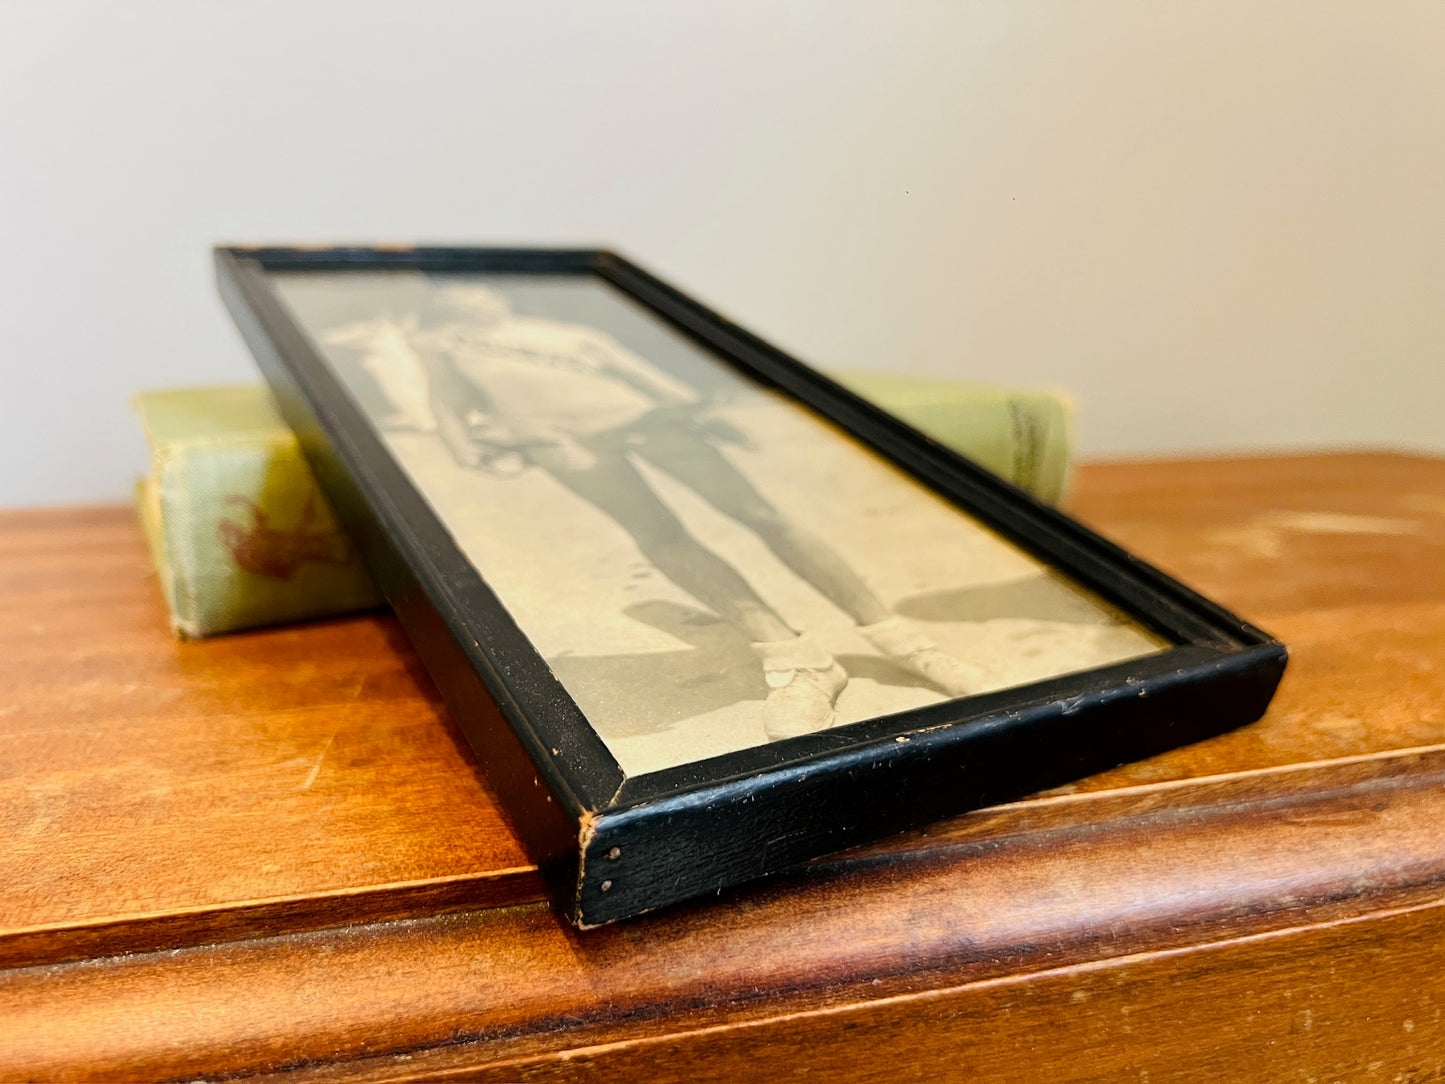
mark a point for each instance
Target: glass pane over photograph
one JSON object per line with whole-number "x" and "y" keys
{"x": 705, "y": 564}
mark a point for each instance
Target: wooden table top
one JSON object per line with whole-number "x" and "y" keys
{"x": 270, "y": 852}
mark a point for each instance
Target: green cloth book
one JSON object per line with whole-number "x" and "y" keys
{"x": 239, "y": 531}
{"x": 1022, "y": 436}
{"x": 242, "y": 537}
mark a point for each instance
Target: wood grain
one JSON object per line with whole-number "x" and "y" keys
{"x": 1266, "y": 905}
{"x": 978, "y": 905}
{"x": 156, "y": 793}
{"x": 1336, "y": 1001}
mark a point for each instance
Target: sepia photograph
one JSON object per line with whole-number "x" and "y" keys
{"x": 705, "y": 565}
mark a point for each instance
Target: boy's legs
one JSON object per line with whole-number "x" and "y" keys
{"x": 689, "y": 458}
{"x": 803, "y": 679}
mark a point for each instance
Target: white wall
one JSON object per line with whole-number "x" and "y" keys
{"x": 1221, "y": 224}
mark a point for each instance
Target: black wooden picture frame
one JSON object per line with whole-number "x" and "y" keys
{"x": 612, "y": 845}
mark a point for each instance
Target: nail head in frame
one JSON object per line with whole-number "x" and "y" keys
{"x": 701, "y": 613}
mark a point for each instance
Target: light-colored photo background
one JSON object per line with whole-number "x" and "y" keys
{"x": 663, "y": 679}
{"x": 1218, "y": 224}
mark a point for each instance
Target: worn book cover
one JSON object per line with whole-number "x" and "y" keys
{"x": 239, "y": 532}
